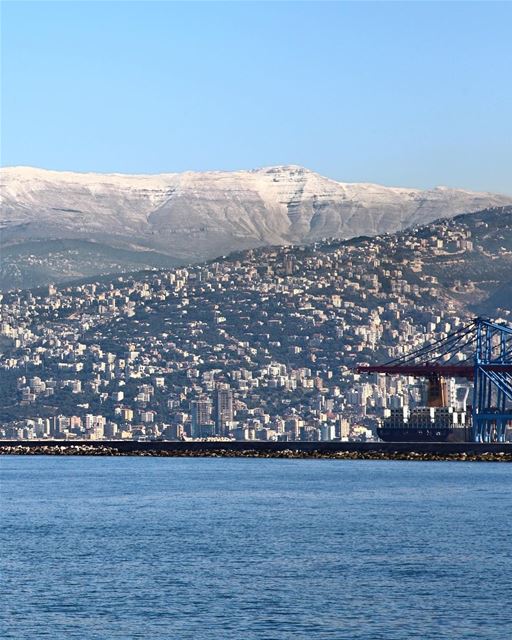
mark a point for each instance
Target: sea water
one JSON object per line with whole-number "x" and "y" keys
{"x": 246, "y": 549}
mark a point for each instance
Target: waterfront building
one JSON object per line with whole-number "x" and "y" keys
{"x": 223, "y": 411}
{"x": 202, "y": 425}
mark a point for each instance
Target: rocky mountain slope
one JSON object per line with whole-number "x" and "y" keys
{"x": 190, "y": 217}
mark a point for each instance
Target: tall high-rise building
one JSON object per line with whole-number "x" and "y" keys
{"x": 201, "y": 417}
{"x": 223, "y": 411}
{"x": 288, "y": 264}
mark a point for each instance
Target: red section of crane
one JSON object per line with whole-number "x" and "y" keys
{"x": 420, "y": 370}
{"x": 429, "y": 370}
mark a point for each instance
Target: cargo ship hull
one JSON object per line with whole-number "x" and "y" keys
{"x": 418, "y": 434}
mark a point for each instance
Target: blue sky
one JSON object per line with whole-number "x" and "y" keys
{"x": 413, "y": 93}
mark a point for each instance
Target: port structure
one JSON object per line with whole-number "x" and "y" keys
{"x": 480, "y": 351}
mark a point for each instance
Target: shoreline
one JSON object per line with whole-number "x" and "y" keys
{"x": 98, "y": 449}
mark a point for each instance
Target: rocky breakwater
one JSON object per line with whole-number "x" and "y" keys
{"x": 108, "y": 450}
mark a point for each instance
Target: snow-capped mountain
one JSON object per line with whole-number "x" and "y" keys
{"x": 195, "y": 216}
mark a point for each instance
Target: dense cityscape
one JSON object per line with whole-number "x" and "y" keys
{"x": 258, "y": 345}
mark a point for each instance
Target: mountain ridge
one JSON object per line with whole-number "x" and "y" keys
{"x": 28, "y": 169}
{"x": 196, "y": 216}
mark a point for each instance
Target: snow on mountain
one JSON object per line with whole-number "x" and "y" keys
{"x": 195, "y": 216}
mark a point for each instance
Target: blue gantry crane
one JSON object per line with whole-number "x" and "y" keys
{"x": 480, "y": 351}
{"x": 492, "y": 381}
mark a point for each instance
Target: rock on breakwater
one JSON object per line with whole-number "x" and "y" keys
{"x": 97, "y": 449}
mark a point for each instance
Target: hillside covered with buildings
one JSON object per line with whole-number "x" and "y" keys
{"x": 261, "y": 344}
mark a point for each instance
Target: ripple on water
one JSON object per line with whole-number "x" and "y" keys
{"x": 101, "y": 548}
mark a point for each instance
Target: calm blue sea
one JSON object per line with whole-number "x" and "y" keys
{"x": 104, "y": 548}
